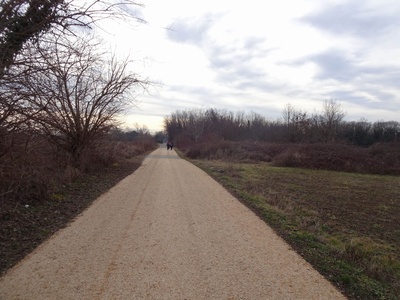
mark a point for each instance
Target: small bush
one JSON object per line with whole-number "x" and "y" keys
{"x": 288, "y": 158}
{"x": 105, "y": 153}
{"x": 232, "y": 151}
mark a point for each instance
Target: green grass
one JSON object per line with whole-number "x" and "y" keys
{"x": 346, "y": 225}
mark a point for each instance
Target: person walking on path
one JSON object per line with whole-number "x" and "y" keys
{"x": 169, "y": 145}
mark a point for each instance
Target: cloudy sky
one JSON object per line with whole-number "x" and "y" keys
{"x": 257, "y": 56}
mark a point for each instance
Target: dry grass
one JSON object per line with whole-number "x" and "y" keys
{"x": 345, "y": 224}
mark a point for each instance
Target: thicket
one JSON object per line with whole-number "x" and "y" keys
{"x": 318, "y": 141}
{"x": 60, "y": 95}
{"x": 32, "y": 168}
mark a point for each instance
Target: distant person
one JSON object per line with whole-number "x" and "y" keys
{"x": 169, "y": 145}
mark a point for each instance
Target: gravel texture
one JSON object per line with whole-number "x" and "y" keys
{"x": 168, "y": 231}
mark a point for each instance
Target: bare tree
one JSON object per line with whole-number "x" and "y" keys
{"x": 288, "y": 113}
{"x": 196, "y": 123}
{"x": 76, "y": 93}
{"x": 297, "y": 123}
{"x": 332, "y": 115}
{"x": 142, "y": 130}
{"x": 24, "y": 25}
{"x": 256, "y": 126}
{"x": 22, "y": 21}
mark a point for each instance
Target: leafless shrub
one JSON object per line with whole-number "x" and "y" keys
{"x": 106, "y": 153}
{"x": 290, "y": 157}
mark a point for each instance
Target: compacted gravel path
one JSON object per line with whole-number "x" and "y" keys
{"x": 168, "y": 231}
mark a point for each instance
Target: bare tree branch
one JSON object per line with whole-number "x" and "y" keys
{"x": 76, "y": 93}
{"x": 22, "y": 21}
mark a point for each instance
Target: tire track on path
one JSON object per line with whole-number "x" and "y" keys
{"x": 149, "y": 164}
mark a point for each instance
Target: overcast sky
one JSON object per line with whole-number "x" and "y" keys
{"x": 257, "y": 56}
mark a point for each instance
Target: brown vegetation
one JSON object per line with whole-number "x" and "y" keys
{"x": 39, "y": 193}
{"x": 377, "y": 159}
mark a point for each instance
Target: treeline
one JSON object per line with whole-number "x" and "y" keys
{"x": 187, "y": 127}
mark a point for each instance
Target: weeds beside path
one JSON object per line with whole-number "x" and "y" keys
{"x": 24, "y": 225}
{"x": 346, "y": 225}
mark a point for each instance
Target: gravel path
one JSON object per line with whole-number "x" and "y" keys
{"x": 168, "y": 231}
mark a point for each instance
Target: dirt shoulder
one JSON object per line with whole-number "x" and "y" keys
{"x": 168, "y": 231}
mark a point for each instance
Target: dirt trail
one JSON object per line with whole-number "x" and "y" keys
{"x": 168, "y": 231}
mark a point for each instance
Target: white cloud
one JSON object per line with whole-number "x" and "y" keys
{"x": 261, "y": 55}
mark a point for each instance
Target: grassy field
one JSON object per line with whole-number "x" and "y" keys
{"x": 346, "y": 225}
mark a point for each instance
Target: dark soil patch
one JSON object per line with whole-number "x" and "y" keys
{"x": 26, "y": 224}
